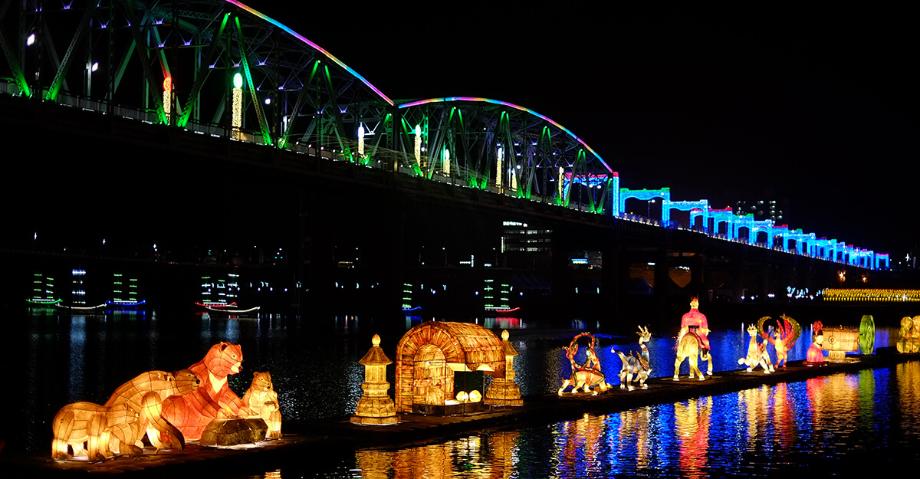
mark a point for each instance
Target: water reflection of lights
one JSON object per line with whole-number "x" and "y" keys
{"x": 754, "y": 403}
{"x": 634, "y": 426}
{"x": 466, "y": 456}
{"x": 77, "y": 355}
{"x": 692, "y": 425}
{"x": 347, "y": 323}
{"x": 413, "y": 320}
{"x": 908, "y": 380}
{"x": 813, "y": 422}
{"x": 866, "y": 393}
{"x": 783, "y": 416}
{"x": 503, "y": 446}
{"x": 503, "y": 322}
{"x": 232, "y": 331}
{"x": 276, "y": 474}
{"x": 578, "y": 443}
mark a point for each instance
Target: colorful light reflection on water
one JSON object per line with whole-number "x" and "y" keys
{"x": 832, "y": 425}
{"x": 64, "y": 358}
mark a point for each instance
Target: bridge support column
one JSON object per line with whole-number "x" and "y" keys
{"x": 396, "y": 245}
{"x": 319, "y": 241}
{"x": 298, "y": 254}
{"x": 562, "y": 287}
{"x": 662, "y": 284}
{"x": 615, "y": 275}
{"x": 697, "y": 277}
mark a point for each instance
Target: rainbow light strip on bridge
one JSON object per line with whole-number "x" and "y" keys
{"x": 449, "y": 99}
{"x": 312, "y": 45}
{"x": 872, "y": 295}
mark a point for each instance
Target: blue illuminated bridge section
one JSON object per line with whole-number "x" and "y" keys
{"x": 223, "y": 69}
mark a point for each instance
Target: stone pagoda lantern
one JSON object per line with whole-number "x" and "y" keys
{"x": 504, "y": 391}
{"x": 375, "y": 407}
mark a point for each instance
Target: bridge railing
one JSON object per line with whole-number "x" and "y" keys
{"x": 9, "y": 88}
{"x": 83, "y": 103}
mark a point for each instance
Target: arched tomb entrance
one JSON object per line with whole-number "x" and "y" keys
{"x": 431, "y": 355}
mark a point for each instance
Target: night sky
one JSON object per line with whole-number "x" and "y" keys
{"x": 816, "y": 107}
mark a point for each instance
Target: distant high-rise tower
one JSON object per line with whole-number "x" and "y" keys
{"x": 78, "y": 289}
{"x": 518, "y": 237}
{"x": 762, "y": 210}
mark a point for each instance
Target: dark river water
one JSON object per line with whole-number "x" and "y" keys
{"x": 51, "y": 359}
{"x": 840, "y": 425}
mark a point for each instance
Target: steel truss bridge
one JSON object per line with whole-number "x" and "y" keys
{"x": 221, "y": 68}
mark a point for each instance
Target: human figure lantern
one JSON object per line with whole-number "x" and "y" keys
{"x": 193, "y": 411}
{"x": 815, "y": 354}
{"x": 757, "y": 354}
{"x": 118, "y": 426}
{"x": 636, "y": 367}
{"x": 375, "y": 405}
{"x": 588, "y": 374}
{"x": 505, "y": 391}
{"x": 693, "y": 341}
{"x": 782, "y": 334}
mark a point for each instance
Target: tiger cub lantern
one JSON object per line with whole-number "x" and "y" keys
{"x": 262, "y": 401}
{"x": 193, "y": 411}
{"x": 118, "y": 426}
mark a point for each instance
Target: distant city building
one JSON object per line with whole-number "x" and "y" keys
{"x": 518, "y": 237}
{"x": 78, "y": 290}
{"x": 762, "y": 210}
{"x": 220, "y": 289}
{"x": 907, "y": 262}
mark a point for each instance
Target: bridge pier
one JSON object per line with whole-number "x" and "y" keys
{"x": 320, "y": 243}
{"x": 614, "y": 275}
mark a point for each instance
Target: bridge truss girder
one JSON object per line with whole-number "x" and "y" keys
{"x": 700, "y": 206}
{"x": 173, "y": 63}
{"x": 644, "y": 195}
{"x": 120, "y": 53}
{"x": 492, "y": 146}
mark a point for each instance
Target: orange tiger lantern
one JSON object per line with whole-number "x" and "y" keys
{"x": 117, "y": 427}
{"x": 193, "y": 411}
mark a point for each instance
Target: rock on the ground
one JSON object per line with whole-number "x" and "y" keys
{"x": 231, "y": 432}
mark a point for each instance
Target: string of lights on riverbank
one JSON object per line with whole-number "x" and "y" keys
{"x": 872, "y": 295}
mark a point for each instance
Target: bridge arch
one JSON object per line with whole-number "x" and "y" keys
{"x": 645, "y": 195}
{"x": 503, "y": 147}
{"x": 446, "y": 347}
{"x": 695, "y": 208}
{"x": 216, "y": 67}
